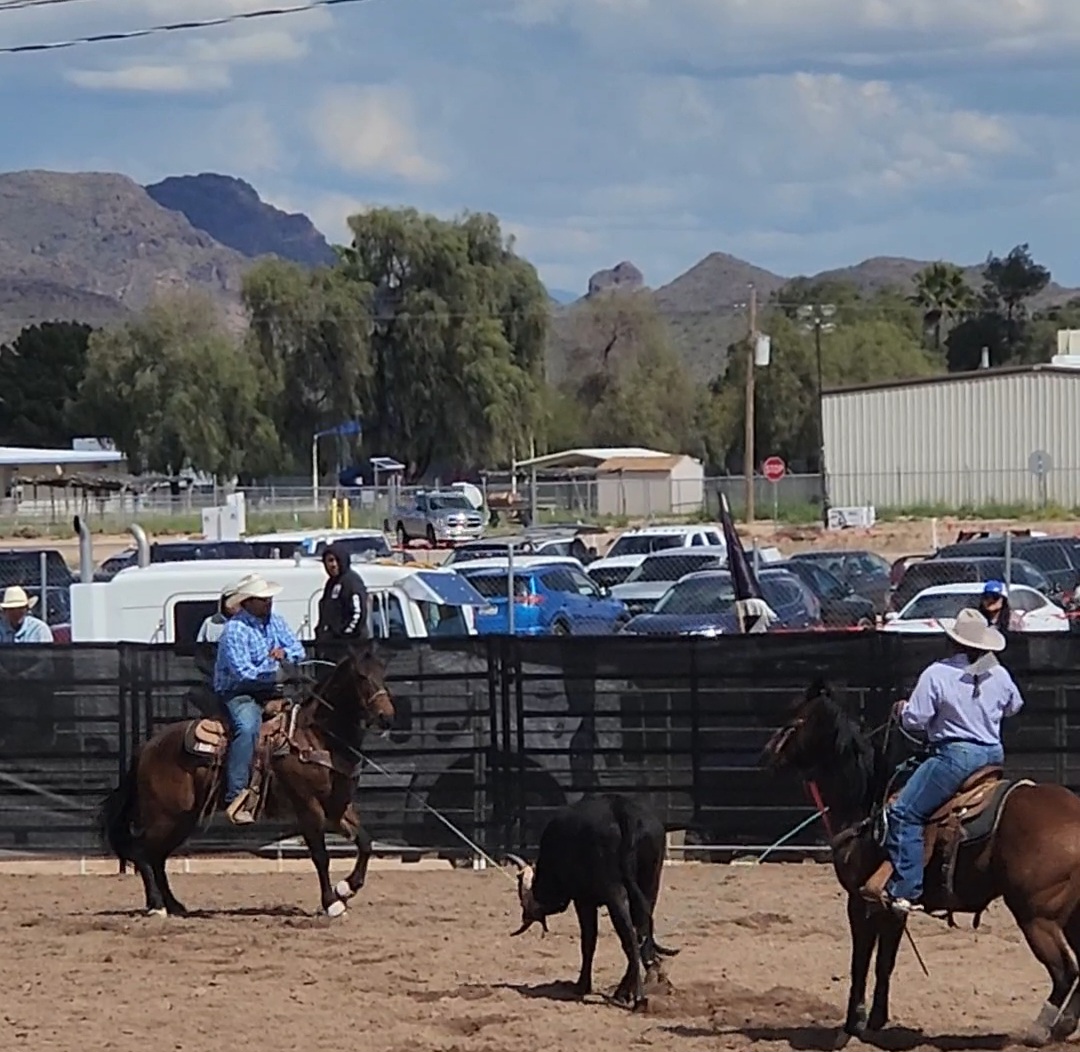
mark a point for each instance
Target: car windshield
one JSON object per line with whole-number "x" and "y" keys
{"x": 671, "y": 568}
{"x": 361, "y": 545}
{"x": 943, "y": 604}
{"x": 702, "y": 595}
{"x": 467, "y": 554}
{"x": 449, "y": 502}
{"x": 645, "y": 543}
{"x": 496, "y": 585}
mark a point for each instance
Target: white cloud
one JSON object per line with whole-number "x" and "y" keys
{"x": 369, "y": 130}
{"x": 194, "y": 60}
{"x": 150, "y": 77}
{"x": 255, "y": 46}
{"x": 714, "y": 34}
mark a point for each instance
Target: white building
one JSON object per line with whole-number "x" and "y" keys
{"x": 971, "y": 439}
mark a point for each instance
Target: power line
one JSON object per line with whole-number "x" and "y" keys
{"x": 132, "y": 34}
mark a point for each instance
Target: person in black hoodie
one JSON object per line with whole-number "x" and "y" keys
{"x": 343, "y": 608}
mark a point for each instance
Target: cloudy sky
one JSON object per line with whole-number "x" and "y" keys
{"x": 799, "y": 134}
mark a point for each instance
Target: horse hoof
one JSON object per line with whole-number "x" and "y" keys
{"x": 343, "y": 891}
{"x": 158, "y": 913}
{"x": 336, "y": 909}
{"x": 1035, "y": 1036}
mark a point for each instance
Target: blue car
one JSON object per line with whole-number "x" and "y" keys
{"x": 704, "y": 604}
{"x": 550, "y": 598}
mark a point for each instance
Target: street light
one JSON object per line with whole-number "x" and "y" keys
{"x": 815, "y": 318}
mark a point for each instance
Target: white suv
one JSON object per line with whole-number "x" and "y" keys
{"x": 630, "y": 550}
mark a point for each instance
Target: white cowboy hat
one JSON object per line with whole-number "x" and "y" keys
{"x": 230, "y": 591}
{"x": 255, "y": 587}
{"x": 15, "y": 598}
{"x": 971, "y": 630}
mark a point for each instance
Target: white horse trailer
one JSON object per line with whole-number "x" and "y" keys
{"x": 167, "y": 602}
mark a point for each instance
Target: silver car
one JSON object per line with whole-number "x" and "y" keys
{"x": 437, "y": 516}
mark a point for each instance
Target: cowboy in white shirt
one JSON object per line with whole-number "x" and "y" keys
{"x": 16, "y": 624}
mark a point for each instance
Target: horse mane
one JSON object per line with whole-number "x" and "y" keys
{"x": 850, "y": 770}
{"x": 333, "y": 703}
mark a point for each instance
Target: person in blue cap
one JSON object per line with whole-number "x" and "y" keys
{"x": 994, "y": 606}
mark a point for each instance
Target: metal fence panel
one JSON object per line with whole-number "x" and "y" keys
{"x": 494, "y": 733}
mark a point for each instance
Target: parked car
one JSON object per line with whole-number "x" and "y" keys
{"x": 841, "y": 607}
{"x": 27, "y": 567}
{"x": 365, "y": 543}
{"x": 1057, "y": 557}
{"x": 704, "y": 604}
{"x": 437, "y": 516}
{"x": 568, "y": 546}
{"x": 865, "y": 572}
{"x": 650, "y": 579}
{"x": 552, "y": 596}
{"x": 938, "y": 606}
{"x": 629, "y": 551}
{"x": 976, "y": 568}
{"x": 175, "y": 552}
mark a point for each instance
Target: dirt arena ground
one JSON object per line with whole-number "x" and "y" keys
{"x": 423, "y": 961}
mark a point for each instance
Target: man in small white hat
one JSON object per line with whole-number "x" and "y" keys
{"x": 17, "y": 625}
{"x": 252, "y": 646}
{"x": 958, "y": 703}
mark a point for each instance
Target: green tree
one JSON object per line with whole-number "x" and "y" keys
{"x": 1000, "y": 324}
{"x": 630, "y": 385}
{"x": 944, "y": 296}
{"x": 40, "y": 376}
{"x": 312, "y": 332}
{"x": 459, "y": 333}
{"x": 786, "y": 421}
{"x": 174, "y": 390}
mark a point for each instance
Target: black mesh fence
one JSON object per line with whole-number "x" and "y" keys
{"x": 494, "y": 733}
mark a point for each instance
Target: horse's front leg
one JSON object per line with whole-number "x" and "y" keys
{"x": 349, "y": 826}
{"x": 863, "y": 937}
{"x": 313, "y": 830}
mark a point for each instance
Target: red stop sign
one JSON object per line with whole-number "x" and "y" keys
{"x": 774, "y": 469}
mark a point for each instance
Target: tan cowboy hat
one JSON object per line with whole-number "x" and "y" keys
{"x": 971, "y": 630}
{"x": 255, "y": 587}
{"x": 15, "y": 598}
{"x": 229, "y": 592}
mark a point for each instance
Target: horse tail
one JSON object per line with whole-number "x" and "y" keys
{"x": 116, "y": 813}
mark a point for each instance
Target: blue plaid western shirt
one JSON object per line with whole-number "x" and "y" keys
{"x": 243, "y": 654}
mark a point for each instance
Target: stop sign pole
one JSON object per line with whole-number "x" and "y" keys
{"x": 774, "y": 469}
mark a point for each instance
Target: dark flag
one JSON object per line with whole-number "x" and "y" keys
{"x": 752, "y": 610}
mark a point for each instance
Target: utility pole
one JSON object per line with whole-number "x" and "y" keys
{"x": 748, "y": 438}
{"x": 815, "y": 318}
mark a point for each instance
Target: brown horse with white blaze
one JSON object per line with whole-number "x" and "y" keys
{"x": 310, "y": 750}
{"x": 1029, "y": 857}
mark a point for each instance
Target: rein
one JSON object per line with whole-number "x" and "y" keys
{"x": 315, "y": 697}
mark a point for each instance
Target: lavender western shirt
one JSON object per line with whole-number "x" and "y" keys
{"x": 946, "y": 705}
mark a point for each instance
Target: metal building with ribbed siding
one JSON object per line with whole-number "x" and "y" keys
{"x": 959, "y": 440}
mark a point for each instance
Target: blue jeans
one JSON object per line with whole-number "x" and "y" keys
{"x": 935, "y": 780}
{"x": 245, "y": 719}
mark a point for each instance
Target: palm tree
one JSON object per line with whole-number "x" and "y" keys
{"x": 943, "y": 295}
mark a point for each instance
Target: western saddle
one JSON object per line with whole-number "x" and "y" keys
{"x": 208, "y": 741}
{"x": 946, "y": 827}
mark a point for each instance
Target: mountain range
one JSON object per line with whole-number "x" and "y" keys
{"x": 96, "y": 246}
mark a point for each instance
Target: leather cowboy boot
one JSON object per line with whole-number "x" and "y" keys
{"x": 238, "y": 812}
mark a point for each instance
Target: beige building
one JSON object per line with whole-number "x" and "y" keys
{"x": 624, "y": 481}
{"x": 991, "y": 436}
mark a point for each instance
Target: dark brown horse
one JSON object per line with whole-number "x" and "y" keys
{"x": 1031, "y": 860}
{"x": 175, "y": 781}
